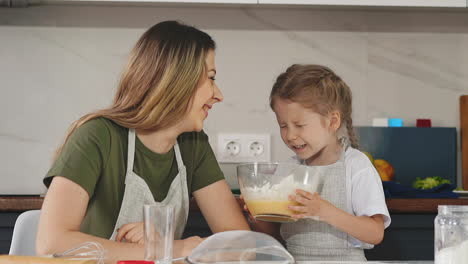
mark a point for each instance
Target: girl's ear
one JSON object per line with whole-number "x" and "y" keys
{"x": 335, "y": 120}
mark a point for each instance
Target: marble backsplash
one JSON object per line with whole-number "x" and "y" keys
{"x": 60, "y": 62}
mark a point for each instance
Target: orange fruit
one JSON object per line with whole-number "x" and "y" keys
{"x": 385, "y": 169}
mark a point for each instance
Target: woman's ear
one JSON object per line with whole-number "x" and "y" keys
{"x": 335, "y": 120}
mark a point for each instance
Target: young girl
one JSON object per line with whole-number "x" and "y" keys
{"x": 313, "y": 109}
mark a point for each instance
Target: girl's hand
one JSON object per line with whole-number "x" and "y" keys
{"x": 310, "y": 205}
{"x": 132, "y": 233}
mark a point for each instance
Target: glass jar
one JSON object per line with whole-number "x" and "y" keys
{"x": 451, "y": 234}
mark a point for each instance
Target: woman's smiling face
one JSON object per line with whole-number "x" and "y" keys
{"x": 206, "y": 94}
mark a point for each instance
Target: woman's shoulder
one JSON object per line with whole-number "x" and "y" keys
{"x": 101, "y": 127}
{"x": 99, "y": 132}
{"x": 194, "y": 146}
{"x": 198, "y": 154}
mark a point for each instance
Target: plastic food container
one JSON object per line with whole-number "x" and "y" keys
{"x": 240, "y": 247}
{"x": 451, "y": 234}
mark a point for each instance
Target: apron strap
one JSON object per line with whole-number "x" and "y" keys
{"x": 180, "y": 162}
{"x": 131, "y": 149}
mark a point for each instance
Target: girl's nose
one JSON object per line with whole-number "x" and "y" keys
{"x": 291, "y": 135}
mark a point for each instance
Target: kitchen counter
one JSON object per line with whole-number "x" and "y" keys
{"x": 417, "y": 206}
{"x": 332, "y": 262}
{"x": 410, "y": 236}
{"x": 20, "y": 203}
{"x": 362, "y": 262}
{"x": 399, "y": 206}
{"x": 355, "y": 262}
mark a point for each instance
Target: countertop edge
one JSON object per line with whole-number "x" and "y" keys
{"x": 396, "y": 206}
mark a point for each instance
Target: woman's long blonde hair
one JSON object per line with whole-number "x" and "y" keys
{"x": 317, "y": 87}
{"x": 159, "y": 80}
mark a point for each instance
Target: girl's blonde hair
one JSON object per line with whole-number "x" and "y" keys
{"x": 159, "y": 81}
{"x": 320, "y": 89}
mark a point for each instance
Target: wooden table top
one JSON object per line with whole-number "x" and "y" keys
{"x": 395, "y": 206}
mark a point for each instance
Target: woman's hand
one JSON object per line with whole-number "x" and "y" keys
{"x": 132, "y": 233}
{"x": 310, "y": 206}
{"x": 269, "y": 228}
{"x": 250, "y": 217}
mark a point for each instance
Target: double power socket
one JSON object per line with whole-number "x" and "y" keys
{"x": 237, "y": 148}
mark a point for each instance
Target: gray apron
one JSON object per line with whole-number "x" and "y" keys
{"x": 309, "y": 239}
{"x": 137, "y": 193}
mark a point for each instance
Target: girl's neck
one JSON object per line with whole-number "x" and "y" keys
{"x": 160, "y": 141}
{"x": 326, "y": 156}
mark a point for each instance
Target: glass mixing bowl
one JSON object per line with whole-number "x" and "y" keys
{"x": 265, "y": 188}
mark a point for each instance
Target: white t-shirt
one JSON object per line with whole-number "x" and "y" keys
{"x": 364, "y": 194}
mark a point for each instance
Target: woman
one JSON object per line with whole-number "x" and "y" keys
{"x": 147, "y": 147}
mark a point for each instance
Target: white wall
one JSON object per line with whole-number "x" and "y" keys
{"x": 60, "y": 62}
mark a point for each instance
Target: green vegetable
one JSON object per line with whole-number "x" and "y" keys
{"x": 429, "y": 182}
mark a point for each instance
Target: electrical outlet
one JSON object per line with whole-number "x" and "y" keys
{"x": 236, "y": 148}
{"x": 256, "y": 148}
{"x": 232, "y": 148}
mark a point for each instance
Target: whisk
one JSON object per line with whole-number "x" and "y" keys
{"x": 85, "y": 251}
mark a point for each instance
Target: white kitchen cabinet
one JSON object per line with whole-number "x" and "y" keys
{"x": 376, "y": 3}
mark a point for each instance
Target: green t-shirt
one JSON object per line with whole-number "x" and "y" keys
{"x": 95, "y": 157}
